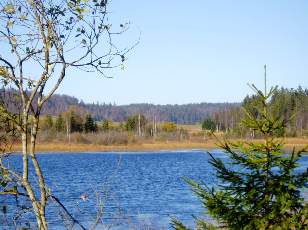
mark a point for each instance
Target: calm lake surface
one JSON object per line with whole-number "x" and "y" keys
{"x": 137, "y": 189}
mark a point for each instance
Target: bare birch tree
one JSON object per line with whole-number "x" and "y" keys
{"x": 39, "y": 41}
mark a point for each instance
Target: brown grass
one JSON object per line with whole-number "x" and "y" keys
{"x": 147, "y": 146}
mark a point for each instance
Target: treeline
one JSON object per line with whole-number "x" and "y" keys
{"x": 68, "y": 115}
{"x": 291, "y": 104}
{"x": 180, "y": 114}
{"x": 68, "y": 122}
{"x": 78, "y": 126}
{"x": 78, "y": 120}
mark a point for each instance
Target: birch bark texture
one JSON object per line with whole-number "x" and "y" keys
{"x": 40, "y": 40}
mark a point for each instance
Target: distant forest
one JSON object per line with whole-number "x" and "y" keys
{"x": 289, "y": 103}
{"x": 180, "y": 114}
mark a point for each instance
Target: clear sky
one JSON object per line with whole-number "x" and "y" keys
{"x": 202, "y": 51}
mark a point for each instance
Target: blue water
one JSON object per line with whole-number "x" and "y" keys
{"x": 137, "y": 189}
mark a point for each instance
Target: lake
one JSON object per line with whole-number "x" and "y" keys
{"x": 137, "y": 190}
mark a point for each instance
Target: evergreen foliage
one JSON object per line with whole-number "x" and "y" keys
{"x": 60, "y": 125}
{"x": 227, "y": 116}
{"x": 106, "y": 125}
{"x": 265, "y": 193}
{"x": 208, "y": 124}
{"x": 75, "y": 122}
{"x": 133, "y": 122}
{"x": 49, "y": 122}
{"x": 89, "y": 125}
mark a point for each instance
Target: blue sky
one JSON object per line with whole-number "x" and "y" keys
{"x": 201, "y": 51}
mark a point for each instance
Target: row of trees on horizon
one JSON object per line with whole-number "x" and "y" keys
{"x": 291, "y": 104}
{"x": 222, "y": 117}
{"x": 45, "y": 40}
{"x": 77, "y": 120}
{"x": 181, "y": 114}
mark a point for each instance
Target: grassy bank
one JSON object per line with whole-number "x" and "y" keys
{"x": 147, "y": 146}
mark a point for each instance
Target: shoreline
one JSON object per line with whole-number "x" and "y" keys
{"x": 61, "y": 147}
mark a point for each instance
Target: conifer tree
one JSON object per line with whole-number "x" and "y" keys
{"x": 106, "y": 125}
{"x": 76, "y": 122}
{"x": 60, "y": 124}
{"x": 89, "y": 125}
{"x": 208, "y": 124}
{"x": 264, "y": 191}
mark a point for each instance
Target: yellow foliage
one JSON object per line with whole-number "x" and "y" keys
{"x": 168, "y": 126}
{"x": 122, "y": 67}
{"x": 3, "y": 71}
{"x": 10, "y": 24}
{"x": 9, "y": 9}
{"x": 14, "y": 40}
{"x": 23, "y": 17}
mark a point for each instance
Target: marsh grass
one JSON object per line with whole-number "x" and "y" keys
{"x": 93, "y": 143}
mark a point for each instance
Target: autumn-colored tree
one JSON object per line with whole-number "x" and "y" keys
{"x": 39, "y": 42}
{"x": 168, "y": 127}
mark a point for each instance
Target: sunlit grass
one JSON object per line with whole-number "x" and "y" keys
{"x": 146, "y": 146}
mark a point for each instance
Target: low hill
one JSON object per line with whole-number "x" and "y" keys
{"x": 182, "y": 114}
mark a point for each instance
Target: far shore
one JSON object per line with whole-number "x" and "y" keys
{"x": 210, "y": 144}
